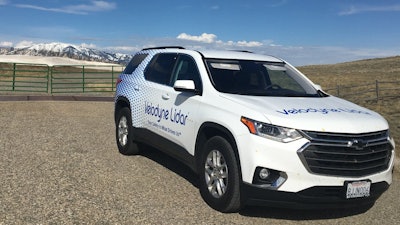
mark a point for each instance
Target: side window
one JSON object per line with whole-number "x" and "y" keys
{"x": 186, "y": 69}
{"x": 160, "y": 68}
{"x": 134, "y": 63}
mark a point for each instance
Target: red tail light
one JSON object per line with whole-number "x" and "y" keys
{"x": 119, "y": 80}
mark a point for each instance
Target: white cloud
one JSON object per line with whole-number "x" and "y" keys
{"x": 127, "y": 48}
{"x": 123, "y": 49}
{"x": 88, "y": 45}
{"x": 249, "y": 44}
{"x": 362, "y": 9}
{"x": 6, "y": 44}
{"x": 212, "y": 38}
{"x": 24, "y": 44}
{"x": 206, "y": 38}
{"x": 82, "y": 9}
{"x": 228, "y": 43}
{"x": 95, "y": 6}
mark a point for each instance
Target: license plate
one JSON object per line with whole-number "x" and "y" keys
{"x": 358, "y": 189}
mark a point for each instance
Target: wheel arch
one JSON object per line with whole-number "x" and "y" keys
{"x": 120, "y": 102}
{"x": 211, "y": 129}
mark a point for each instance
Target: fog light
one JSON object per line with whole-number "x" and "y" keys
{"x": 268, "y": 178}
{"x": 264, "y": 173}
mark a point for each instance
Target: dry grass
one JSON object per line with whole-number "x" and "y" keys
{"x": 390, "y": 109}
{"x": 359, "y": 73}
{"x": 354, "y": 73}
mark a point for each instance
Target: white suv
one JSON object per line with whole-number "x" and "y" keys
{"x": 254, "y": 129}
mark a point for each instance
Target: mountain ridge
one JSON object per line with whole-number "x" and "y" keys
{"x": 57, "y": 49}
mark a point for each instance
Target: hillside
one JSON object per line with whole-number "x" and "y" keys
{"x": 362, "y": 71}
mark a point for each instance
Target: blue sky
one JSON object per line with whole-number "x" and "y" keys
{"x": 303, "y": 32}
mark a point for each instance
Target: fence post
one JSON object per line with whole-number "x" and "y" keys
{"x": 112, "y": 78}
{"x": 13, "y": 82}
{"x": 377, "y": 89}
{"x": 51, "y": 79}
{"x": 338, "y": 90}
{"x": 47, "y": 78}
{"x": 83, "y": 79}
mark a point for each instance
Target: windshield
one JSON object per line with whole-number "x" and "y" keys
{"x": 258, "y": 78}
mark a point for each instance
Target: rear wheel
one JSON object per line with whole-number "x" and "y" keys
{"x": 124, "y": 133}
{"x": 219, "y": 175}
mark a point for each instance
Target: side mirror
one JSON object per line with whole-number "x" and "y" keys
{"x": 185, "y": 85}
{"x": 318, "y": 87}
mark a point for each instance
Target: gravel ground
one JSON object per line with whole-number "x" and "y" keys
{"x": 59, "y": 165}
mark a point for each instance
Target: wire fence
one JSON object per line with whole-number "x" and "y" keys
{"x": 372, "y": 91}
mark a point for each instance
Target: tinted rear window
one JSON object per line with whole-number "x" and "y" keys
{"x": 134, "y": 63}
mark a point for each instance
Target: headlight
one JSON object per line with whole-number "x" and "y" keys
{"x": 270, "y": 131}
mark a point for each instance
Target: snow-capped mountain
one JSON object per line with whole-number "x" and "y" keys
{"x": 67, "y": 50}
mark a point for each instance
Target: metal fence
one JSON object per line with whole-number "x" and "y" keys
{"x": 373, "y": 91}
{"x": 81, "y": 79}
{"x": 23, "y": 77}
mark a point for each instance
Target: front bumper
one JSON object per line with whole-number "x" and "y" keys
{"x": 311, "y": 198}
{"x": 301, "y": 188}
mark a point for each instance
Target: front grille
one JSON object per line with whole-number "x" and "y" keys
{"x": 349, "y": 155}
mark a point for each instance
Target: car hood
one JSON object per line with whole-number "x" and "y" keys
{"x": 326, "y": 114}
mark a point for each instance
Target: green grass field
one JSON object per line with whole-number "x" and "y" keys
{"x": 358, "y": 73}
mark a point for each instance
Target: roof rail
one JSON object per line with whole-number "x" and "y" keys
{"x": 164, "y": 47}
{"x": 242, "y": 51}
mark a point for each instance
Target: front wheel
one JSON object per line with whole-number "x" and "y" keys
{"x": 219, "y": 175}
{"x": 124, "y": 133}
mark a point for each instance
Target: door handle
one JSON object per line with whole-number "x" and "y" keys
{"x": 165, "y": 96}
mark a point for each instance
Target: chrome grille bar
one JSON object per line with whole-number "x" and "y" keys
{"x": 350, "y": 155}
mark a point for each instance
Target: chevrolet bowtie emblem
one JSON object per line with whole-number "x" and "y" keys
{"x": 357, "y": 144}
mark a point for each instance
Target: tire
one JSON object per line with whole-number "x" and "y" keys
{"x": 219, "y": 175}
{"x": 124, "y": 133}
